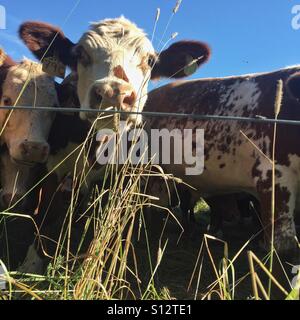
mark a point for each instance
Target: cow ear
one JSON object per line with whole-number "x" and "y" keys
{"x": 5, "y": 60}
{"x": 45, "y": 40}
{"x": 293, "y": 85}
{"x": 181, "y": 59}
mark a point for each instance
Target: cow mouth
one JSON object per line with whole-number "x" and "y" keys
{"x": 23, "y": 162}
{"x": 101, "y": 116}
{"x": 107, "y": 116}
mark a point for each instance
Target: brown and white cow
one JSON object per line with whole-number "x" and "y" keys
{"x": 24, "y": 149}
{"x": 24, "y": 133}
{"x": 114, "y": 61}
{"x": 237, "y": 154}
{"x": 112, "y": 64}
{"x": 18, "y": 181}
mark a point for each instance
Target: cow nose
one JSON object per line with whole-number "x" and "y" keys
{"x": 118, "y": 94}
{"x": 35, "y": 151}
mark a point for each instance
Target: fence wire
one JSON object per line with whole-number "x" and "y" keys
{"x": 193, "y": 116}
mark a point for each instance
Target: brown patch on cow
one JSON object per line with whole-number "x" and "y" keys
{"x": 282, "y": 197}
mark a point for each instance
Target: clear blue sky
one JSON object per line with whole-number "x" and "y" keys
{"x": 245, "y": 35}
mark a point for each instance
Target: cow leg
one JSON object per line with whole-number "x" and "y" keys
{"x": 186, "y": 209}
{"x": 284, "y": 231}
{"x": 284, "y": 226}
{"x": 249, "y": 208}
{"x": 222, "y": 208}
{"x": 216, "y": 216}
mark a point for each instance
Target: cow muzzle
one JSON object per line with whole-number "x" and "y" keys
{"x": 116, "y": 94}
{"x": 31, "y": 153}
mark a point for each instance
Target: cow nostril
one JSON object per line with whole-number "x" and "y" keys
{"x": 129, "y": 100}
{"x": 96, "y": 98}
{"x": 24, "y": 149}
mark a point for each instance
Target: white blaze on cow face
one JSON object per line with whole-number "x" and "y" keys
{"x": 112, "y": 66}
{"x": 25, "y": 132}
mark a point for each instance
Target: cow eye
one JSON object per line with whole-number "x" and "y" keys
{"x": 82, "y": 56}
{"x": 7, "y": 101}
{"x": 151, "y": 60}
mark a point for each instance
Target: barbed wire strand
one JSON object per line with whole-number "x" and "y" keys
{"x": 256, "y": 119}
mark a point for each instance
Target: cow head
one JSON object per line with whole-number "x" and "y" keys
{"x": 114, "y": 61}
{"x": 25, "y": 132}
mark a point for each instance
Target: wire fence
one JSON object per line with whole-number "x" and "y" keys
{"x": 256, "y": 119}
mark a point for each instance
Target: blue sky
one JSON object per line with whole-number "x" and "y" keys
{"x": 245, "y": 36}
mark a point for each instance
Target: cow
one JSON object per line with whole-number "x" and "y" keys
{"x": 24, "y": 133}
{"x": 35, "y": 190}
{"x": 24, "y": 148}
{"x": 238, "y": 155}
{"x": 114, "y": 61}
{"x": 59, "y": 134}
{"x": 38, "y": 190}
{"x": 112, "y": 64}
